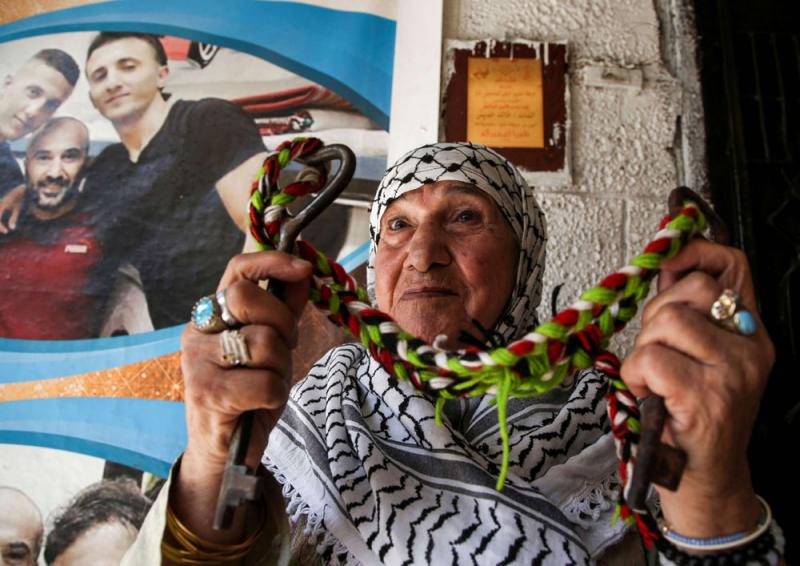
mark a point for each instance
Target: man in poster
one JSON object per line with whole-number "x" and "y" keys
{"x": 97, "y": 525}
{"x": 21, "y": 528}
{"x": 178, "y": 183}
{"x": 61, "y": 276}
{"x": 29, "y": 97}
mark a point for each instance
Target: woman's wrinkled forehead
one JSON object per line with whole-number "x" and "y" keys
{"x": 454, "y": 192}
{"x": 471, "y": 164}
{"x": 467, "y": 164}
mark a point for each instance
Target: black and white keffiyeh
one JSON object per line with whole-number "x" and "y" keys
{"x": 360, "y": 456}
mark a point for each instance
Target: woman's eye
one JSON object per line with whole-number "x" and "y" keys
{"x": 468, "y": 215}
{"x": 396, "y": 224}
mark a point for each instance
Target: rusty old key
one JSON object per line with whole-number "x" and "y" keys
{"x": 239, "y": 483}
{"x": 656, "y": 462}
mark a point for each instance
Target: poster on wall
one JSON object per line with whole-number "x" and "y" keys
{"x": 130, "y": 133}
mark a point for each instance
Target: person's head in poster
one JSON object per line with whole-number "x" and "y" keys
{"x": 34, "y": 92}
{"x": 126, "y": 74}
{"x": 21, "y": 528}
{"x": 55, "y": 162}
{"x": 97, "y": 526}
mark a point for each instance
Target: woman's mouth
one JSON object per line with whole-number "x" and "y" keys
{"x": 427, "y": 293}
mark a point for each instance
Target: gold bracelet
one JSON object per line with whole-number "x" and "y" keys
{"x": 195, "y": 550}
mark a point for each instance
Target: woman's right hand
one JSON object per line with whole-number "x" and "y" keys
{"x": 216, "y": 394}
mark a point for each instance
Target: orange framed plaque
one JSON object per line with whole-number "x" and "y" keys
{"x": 512, "y": 97}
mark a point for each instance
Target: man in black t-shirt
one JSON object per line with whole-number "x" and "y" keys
{"x": 28, "y": 98}
{"x": 178, "y": 184}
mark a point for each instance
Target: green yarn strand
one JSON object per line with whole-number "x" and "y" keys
{"x": 600, "y": 295}
{"x": 503, "y": 387}
{"x": 258, "y": 202}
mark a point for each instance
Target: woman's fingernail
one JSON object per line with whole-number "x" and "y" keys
{"x": 299, "y": 263}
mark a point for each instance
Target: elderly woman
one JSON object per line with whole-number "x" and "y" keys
{"x": 457, "y": 255}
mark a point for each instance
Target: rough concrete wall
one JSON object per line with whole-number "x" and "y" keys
{"x": 623, "y": 143}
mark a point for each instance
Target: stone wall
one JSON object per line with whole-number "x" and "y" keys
{"x": 628, "y": 146}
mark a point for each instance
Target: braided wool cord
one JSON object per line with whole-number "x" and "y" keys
{"x": 575, "y": 338}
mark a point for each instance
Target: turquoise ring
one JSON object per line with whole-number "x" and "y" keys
{"x": 727, "y": 312}
{"x": 207, "y": 315}
{"x": 745, "y": 322}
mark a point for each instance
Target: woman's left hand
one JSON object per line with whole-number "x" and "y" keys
{"x": 711, "y": 379}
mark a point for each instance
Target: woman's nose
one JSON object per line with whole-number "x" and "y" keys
{"x": 428, "y": 248}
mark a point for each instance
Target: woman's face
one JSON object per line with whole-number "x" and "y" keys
{"x": 445, "y": 256}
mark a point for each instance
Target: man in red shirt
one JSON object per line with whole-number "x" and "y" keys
{"x": 54, "y": 284}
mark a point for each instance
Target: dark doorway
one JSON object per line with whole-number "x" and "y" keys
{"x": 750, "y": 61}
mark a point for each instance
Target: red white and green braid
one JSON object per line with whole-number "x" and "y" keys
{"x": 575, "y": 338}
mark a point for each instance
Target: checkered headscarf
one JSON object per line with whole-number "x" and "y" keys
{"x": 494, "y": 175}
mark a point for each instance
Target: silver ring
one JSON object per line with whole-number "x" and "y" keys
{"x": 725, "y": 306}
{"x": 225, "y": 311}
{"x": 729, "y": 315}
{"x": 234, "y": 348}
{"x": 206, "y": 315}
